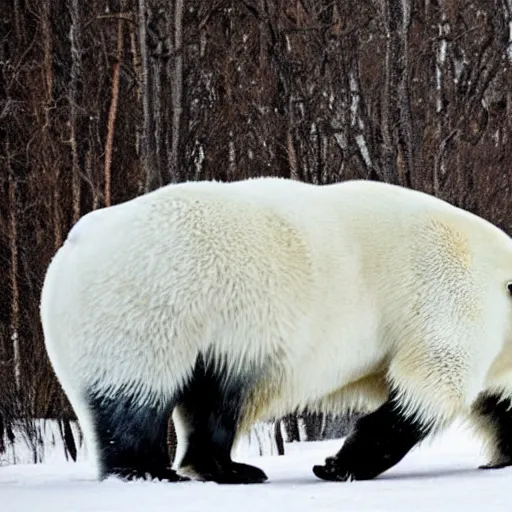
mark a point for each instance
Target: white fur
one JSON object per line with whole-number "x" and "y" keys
{"x": 326, "y": 289}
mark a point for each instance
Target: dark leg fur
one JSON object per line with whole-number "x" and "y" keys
{"x": 211, "y": 407}
{"x": 131, "y": 438}
{"x": 498, "y": 413}
{"x": 378, "y": 442}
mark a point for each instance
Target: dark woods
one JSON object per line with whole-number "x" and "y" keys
{"x": 103, "y": 100}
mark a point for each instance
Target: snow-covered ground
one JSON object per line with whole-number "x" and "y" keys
{"x": 436, "y": 477}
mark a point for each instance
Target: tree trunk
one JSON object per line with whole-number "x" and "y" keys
{"x": 147, "y": 140}
{"x": 74, "y": 100}
{"x": 15, "y": 292}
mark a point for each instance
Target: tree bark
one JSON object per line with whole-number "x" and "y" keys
{"x": 112, "y": 114}
{"x": 147, "y": 140}
{"x": 175, "y": 173}
{"x": 74, "y": 99}
{"x": 15, "y": 292}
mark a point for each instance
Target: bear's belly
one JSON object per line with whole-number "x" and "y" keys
{"x": 332, "y": 380}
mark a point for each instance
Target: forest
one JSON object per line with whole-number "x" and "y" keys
{"x": 101, "y": 101}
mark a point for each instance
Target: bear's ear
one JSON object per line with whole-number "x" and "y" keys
{"x": 509, "y": 286}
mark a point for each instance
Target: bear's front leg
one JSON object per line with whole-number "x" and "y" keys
{"x": 492, "y": 415}
{"x": 378, "y": 442}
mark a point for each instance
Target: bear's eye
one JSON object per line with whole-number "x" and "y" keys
{"x": 509, "y": 286}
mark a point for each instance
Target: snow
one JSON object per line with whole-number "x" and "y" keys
{"x": 441, "y": 475}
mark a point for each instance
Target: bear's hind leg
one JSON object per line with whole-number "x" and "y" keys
{"x": 131, "y": 437}
{"x": 492, "y": 414}
{"x": 378, "y": 441}
{"x": 206, "y": 421}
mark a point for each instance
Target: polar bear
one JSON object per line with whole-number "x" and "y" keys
{"x": 229, "y": 303}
